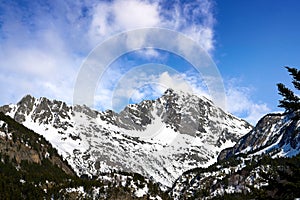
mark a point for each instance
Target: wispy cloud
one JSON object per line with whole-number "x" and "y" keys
{"x": 193, "y": 18}
{"x": 43, "y": 44}
{"x": 150, "y": 81}
{"x": 240, "y": 103}
{"x": 46, "y": 41}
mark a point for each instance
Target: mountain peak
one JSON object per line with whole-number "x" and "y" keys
{"x": 169, "y": 91}
{"x": 26, "y": 99}
{"x": 178, "y": 128}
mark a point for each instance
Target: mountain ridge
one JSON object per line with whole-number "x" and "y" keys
{"x": 189, "y": 132}
{"x": 277, "y": 134}
{"x": 263, "y": 164}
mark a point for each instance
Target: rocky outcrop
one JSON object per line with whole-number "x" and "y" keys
{"x": 275, "y": 134}
{"x": 21, "y": 144}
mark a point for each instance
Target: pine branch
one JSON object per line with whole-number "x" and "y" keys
{"x": 286, "y": 93}
{"x": 290, "y": 101}
{"x": 294, "y": 73}
{"x": 296, "y": 84}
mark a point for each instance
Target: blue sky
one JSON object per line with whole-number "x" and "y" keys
{"x": 254, "y": 39}
{"x": 43, "y": 45}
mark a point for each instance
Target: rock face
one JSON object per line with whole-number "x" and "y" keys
{"x": 275, "y": 134}
{"x": 22, "y": 144}
{"x": 159, "y": 139}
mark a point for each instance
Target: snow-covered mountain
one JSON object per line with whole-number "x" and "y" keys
{"x": 159, "y": 139}
{"x": 29, "y": 163}
{"x": 275, "y": 134}
{"x": 264, "y": 163}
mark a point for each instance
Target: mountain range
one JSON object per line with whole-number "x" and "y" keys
{"x": 183, "y": 143}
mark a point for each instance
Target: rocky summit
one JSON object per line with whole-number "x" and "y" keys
{"x": 159, "y": 139}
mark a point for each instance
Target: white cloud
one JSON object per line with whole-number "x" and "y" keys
{"x": 150, "y": 53}
{"x": 239, "y": 103}
{"x": 36, "y": 53}
{"x": 44, "y": 42}
{"x": 142, "y": 83}
{"x": 41, "y": 51}
{"x": 109, "y": 18}
{"x": 193, "y": 18}
{"x": 175, "y": 82}
{"x": 134, "y": 13}
{"x": 256, "y": 111}
{"x": 44, "y": 66}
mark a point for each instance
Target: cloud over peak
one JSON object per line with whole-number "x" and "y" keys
{"x": 44, "y": 43}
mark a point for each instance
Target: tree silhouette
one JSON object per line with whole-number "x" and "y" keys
{"x": 290, "y": 101}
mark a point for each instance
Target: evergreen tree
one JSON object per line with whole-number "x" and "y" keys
{"x": 290, "y": 101}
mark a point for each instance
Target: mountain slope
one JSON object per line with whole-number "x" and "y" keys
{"x": 21, "y": 144}
{"x": 261, "y": 177}
{"x": 159, "y": 139}
{"x": 263, "y": 164}
{"x": 30, "y": 168}
{"x": 27, "y": 160}
{"x": 275, "y": 134}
